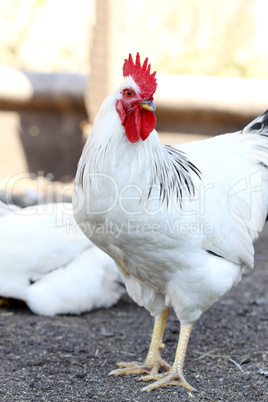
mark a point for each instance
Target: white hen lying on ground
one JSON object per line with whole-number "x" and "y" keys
{"x": 47, "y": 262}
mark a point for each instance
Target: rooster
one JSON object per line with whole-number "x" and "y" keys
{"x": 179, "y": 222}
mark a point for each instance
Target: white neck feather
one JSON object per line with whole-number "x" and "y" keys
{"x": 144, "y": 163}
{"x": 108, "y": 148}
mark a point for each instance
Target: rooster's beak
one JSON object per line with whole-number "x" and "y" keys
{"x": 149, "y": 105}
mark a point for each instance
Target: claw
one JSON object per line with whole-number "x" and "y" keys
{"x": 175, "y": 375}
{"x": 169, "y": 379}
{"x": 127, "y": 364}
{"x": 131, "y": 369}
{"x": 140, "y": 368}
{"x": 153, "y": 361}
{"x": 152, "y": 377}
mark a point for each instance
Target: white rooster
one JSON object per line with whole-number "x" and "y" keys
{"x": 179, "y": 222}
{"x": 47, "y": 262}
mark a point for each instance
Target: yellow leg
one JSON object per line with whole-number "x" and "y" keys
{"x": 153, "y": 361}
{"x": 175, "y": 376}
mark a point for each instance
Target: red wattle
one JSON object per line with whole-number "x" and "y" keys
{"x": 133, "y": 125}
{"x": 139, "y": 124}
{"x": 148, "y": 121}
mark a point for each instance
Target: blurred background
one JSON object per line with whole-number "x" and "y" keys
{"x": 60, "y": 58}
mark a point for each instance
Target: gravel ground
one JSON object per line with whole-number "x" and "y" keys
{"x": 68, "y": 358}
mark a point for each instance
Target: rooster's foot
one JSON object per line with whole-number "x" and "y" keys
{"x": 170, "y": 378}
{"x": 153, "y": 362}
{"x": 149, "y": 368}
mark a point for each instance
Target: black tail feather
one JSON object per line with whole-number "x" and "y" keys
{"x": 260, "y": 125}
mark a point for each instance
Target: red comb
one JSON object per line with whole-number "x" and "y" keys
{"x": 141, "y": 75}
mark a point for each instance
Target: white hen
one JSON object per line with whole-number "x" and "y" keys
{"x": 180, "y": 222}
{"x": 48, "y": 263}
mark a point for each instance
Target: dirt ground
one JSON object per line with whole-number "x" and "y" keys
{"x": 67, "y": 358}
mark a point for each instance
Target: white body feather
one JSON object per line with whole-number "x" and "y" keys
{"x": 47, "y": 262}
{"x": 160, "y": 246}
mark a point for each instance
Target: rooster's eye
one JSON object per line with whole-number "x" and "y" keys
{"x": 128, "y": 93}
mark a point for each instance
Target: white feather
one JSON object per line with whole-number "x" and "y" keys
{"x": 160, "y": 248}
{"x": 47, "y": 262}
